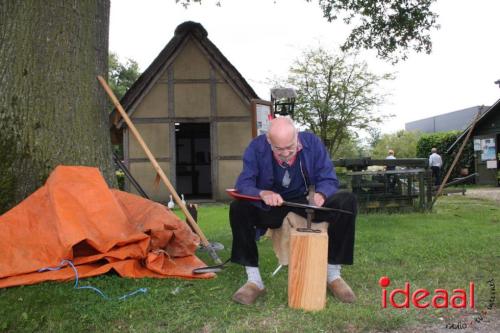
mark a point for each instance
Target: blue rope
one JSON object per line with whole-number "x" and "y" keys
{"x": 70, "y": 263}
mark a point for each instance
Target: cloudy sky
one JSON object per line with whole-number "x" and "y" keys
{"x": 262, "y": 38}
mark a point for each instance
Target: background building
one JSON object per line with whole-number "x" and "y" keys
{"x": 195, "y": 112}
{"x": 486, "y": 139}
{"x": 456, "y": 120}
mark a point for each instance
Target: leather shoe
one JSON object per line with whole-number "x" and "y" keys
{"x": 248, "y": 293}
{"x": 341, "y": 290}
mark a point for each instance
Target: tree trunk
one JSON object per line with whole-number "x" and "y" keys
{"x": 52, "y": 110}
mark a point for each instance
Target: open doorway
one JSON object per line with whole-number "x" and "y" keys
{"x": 193, "y": 167}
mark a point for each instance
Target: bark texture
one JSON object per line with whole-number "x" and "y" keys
{"x": 52, "y": 110}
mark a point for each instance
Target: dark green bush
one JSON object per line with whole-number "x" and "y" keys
{"x": 442, "y": 141}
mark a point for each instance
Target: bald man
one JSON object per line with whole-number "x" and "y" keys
{"x": 280, "y": 166}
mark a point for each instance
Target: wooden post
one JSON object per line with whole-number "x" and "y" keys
{"x": 421, "y": 190}
{"x": 443, "y": 183}
{"x": 307, "y": 270}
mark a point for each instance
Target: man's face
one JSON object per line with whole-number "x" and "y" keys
{"x": 284, "y": 148}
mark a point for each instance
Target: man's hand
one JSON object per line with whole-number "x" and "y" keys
{"x": 271, "y": 198}
{"x": 319, "y": 199}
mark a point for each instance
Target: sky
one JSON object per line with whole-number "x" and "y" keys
{"x": 262, "y": 39}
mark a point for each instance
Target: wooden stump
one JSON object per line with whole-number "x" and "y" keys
{"x": 307, "y": 270}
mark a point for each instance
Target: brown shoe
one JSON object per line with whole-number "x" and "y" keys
{"x": 341, "y": 290}
{"x": 248, "y": 293}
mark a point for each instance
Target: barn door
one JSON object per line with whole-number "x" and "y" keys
{"x": 193, "y": 170}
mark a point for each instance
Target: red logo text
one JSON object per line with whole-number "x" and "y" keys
{"x": 422, "y": 298}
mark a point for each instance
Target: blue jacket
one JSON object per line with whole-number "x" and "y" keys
{"x": 257, "y": 173}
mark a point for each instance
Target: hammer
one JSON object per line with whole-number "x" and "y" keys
{"x": 310, "y": 212}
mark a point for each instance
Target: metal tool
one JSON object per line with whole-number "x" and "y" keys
{"x": 210, "y": 269}
{"x": 277, "y": 270}
{"x": 310, "y": 208}
{"x": 129, "y": 176}
{"x": 310, "y": 213}
{"x": 235, "y": 194}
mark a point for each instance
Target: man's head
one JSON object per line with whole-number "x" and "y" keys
{"x": 391, "y": 152}
{"x": 282, "y": 136}
{"x": 434, "y": 150}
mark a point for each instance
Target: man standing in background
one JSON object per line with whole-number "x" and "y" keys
{"x": 436, "y": 163}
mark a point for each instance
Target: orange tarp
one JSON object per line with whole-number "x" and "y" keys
{"x": 75, "y": 216}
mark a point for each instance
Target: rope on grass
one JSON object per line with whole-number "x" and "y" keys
{"x": 98, "y": 291}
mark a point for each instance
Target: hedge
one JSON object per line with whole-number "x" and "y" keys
{"x": 442, "y": 141}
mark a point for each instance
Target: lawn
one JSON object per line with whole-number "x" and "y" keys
{"x": 448, "y": 248}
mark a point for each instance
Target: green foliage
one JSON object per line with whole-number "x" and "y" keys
{"x": 402, "y": 142}
{"x": 442, "y": 141}
{"x": 350, "y": 148}
{"x": 186, "y": 3}
{"x": 118, "y": 150}
{"x": 337, "y": 96}
{"x": 120, "y": 177}
{"x": 375, "y": 134}
{"x": 121, "y": 76}
{"x": 392, "y": 27}
{"x": 446, "y": 249}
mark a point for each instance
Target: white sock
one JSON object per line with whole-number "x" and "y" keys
{"x": 254, "y": 276}
{"x": 333, "y": 272}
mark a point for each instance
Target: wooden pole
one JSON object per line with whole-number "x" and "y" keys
{"x": 443, "y": 183}
{"x": 158, "y": 169}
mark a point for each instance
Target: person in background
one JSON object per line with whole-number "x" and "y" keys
{"x": 390, "y": 156}
{"x": 391, "y": 178}
{"x": 436, "y": 163}
{"x": 278, "y": 166}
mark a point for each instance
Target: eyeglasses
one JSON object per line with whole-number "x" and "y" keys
{"x": 292, "y": 147}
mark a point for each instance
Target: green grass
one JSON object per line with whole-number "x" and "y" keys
{"x": 445, "y": 249}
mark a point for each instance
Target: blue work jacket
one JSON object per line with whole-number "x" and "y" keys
{"x": 257, "y": 174}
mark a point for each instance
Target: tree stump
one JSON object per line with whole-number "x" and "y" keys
{"x": 307, "y": 270}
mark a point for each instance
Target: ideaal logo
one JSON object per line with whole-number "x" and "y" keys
{"x": 460, "y": 302}
{"x": 422, "y": 298}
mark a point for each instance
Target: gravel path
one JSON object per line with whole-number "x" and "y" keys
{"x": 490, "y": 324}
{"x": 491, "y": 193}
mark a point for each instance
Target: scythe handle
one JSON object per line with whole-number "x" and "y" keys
{"x": 157, "y": 167}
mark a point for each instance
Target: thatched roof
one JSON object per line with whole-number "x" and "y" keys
{"x": 185, "y": 30}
